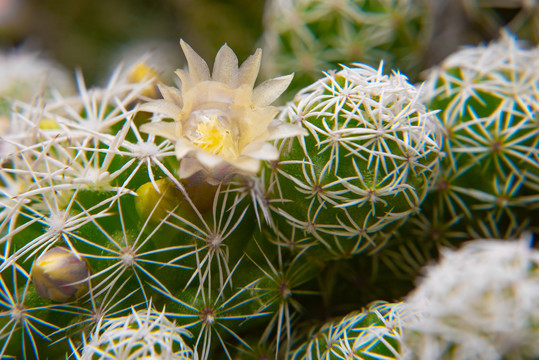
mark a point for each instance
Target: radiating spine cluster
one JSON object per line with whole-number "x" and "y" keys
{"x": 145, "y": 334}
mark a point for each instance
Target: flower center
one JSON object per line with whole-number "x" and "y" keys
{"x": 213, "y": 136}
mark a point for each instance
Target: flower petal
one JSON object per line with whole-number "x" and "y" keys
{"x": 266, "y": 151}
{"x": 225, "y": 68}
{"x": 249, "y": 69}
{"x": 171, "y": 94}
{"x": 184, "y": 147}
{"x": 209, "y": 160}
{"x": 267, "y": 92}
{"x": 188, "y": 167}
{"x": 246, "y": 165}
{"x": 164, "y": 129}
{"x": 185, "y": 79}
{"x": 198, "y": 69}
{"x": 162, "y": 107}
{"x": 285, "y": 130}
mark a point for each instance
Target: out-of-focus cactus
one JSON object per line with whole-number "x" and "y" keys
{"x": 479, "y": 302}
{"x": 518, "y": 16}
{"x": 24, "y": 77}
{"x": 310, "y": 36}
{"x": 369, "y": 159}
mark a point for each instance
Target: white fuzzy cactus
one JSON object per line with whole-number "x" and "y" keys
{"x": 479, "y": 302}
{"x": 144, "y": 334}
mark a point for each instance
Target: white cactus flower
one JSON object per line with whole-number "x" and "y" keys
{"x": 221, "y": 125}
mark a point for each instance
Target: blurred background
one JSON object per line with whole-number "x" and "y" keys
{"x": 95, "y": 34}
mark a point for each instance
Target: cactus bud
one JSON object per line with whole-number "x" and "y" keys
{"x": 148, "y": 198}
{"x": 141, "y": 72}
{"x": 48, "y": 124}
{"x": 58, "y": 275}
{"x": 169, "y": 198}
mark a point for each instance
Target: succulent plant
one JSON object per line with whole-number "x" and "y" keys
{"x": 374, "y": 333}
{"x": 140, "y": 220}
{"x": 25, "y": 75}
{"x": 308, "y": 37}
{"x": 477, "y": 303}
{"x": 103, "y": 225}
{"x": 146, "y": 334}
{"x": 487, "y": 188}
{"x": 368, "y": 162}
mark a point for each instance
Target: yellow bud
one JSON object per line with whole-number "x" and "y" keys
{"x": 164, "y": 201}
{"x": 171, "y": 199}
{"x": 59, "y": 275}
{"x": 141, "y": 72}
{"x": 48, "y": 124}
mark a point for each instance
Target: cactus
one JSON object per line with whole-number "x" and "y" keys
{"x": 108, "y": 227}
{"x": 144, "y": 334}
{"x": 308, "y": 37}
{"x": 372, "y": 333}
{"x": 371, "y": 156}
{"x": 25, "y": 75}
{"x": 487, "y": 188}
{"x": 478, "y": 303}
{"x": 141, "y": 220}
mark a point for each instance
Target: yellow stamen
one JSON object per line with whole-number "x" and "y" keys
{"x": 216, "y": 139}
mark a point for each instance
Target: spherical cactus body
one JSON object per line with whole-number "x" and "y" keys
{"x": 370, "y": 157}
{"x": 488, "y": 103}
{"x": 372, "y": 333}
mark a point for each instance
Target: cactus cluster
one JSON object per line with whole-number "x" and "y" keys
{"x": 200, "y": 221}
{"x": 487, "y": 187}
